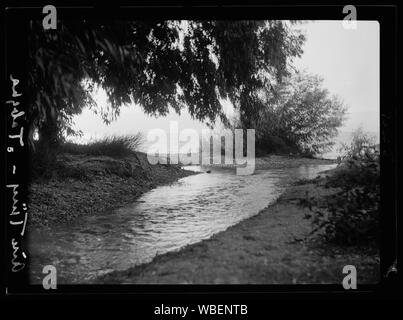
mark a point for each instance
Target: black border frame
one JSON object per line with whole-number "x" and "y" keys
{"x": 16, "y": 18}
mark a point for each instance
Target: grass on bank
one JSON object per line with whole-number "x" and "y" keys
{"x": 113, "y": 146}
{"x": 68, "y": 165}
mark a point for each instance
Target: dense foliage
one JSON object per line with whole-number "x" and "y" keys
{"x": 156, "y": 64}
{"x": 351, "y": 216}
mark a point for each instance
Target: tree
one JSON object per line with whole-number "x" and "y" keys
{"x": 300, "y": 116}
{"x": 156, "y": 64}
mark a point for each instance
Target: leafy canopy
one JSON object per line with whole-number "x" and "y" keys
{"x": 156, "y": 64}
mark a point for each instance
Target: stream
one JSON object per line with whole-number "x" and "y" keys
{"x": 164, "y": 219}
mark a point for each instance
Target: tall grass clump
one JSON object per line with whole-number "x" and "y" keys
{"x": 351, "y": 216}
{"x": 113, "y": 146}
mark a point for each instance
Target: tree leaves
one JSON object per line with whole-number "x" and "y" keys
{"x": 299, "y": 112}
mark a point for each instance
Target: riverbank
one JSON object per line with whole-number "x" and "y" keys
{"x": 87, "y": 185}
{"x": 279, "y": 162}
{"x": 282, "y": 162}
{"x": 273, "y": 247}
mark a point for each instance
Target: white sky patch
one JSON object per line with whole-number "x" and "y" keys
{"x": 348, "y": 60}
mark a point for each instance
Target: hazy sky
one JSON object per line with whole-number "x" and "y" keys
{"x": 348, "y": 60}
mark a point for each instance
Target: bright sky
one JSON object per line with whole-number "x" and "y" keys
{"x": 347, "y": 59}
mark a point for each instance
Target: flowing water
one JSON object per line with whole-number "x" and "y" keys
{"x": 163, "y": 219}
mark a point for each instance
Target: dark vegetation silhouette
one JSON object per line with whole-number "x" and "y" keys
{"x": 351, "y": 216}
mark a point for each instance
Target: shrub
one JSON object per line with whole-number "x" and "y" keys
{"x": 351, "y": 215}
{"x": 361, "y": 144}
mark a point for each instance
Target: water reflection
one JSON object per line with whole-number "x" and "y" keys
{"x": 164, "y": 219}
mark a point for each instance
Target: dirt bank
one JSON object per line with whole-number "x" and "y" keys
{"x": 280, "y": 162}
{"x": 269, "y": 248}
{"x": 86, "y": 185}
